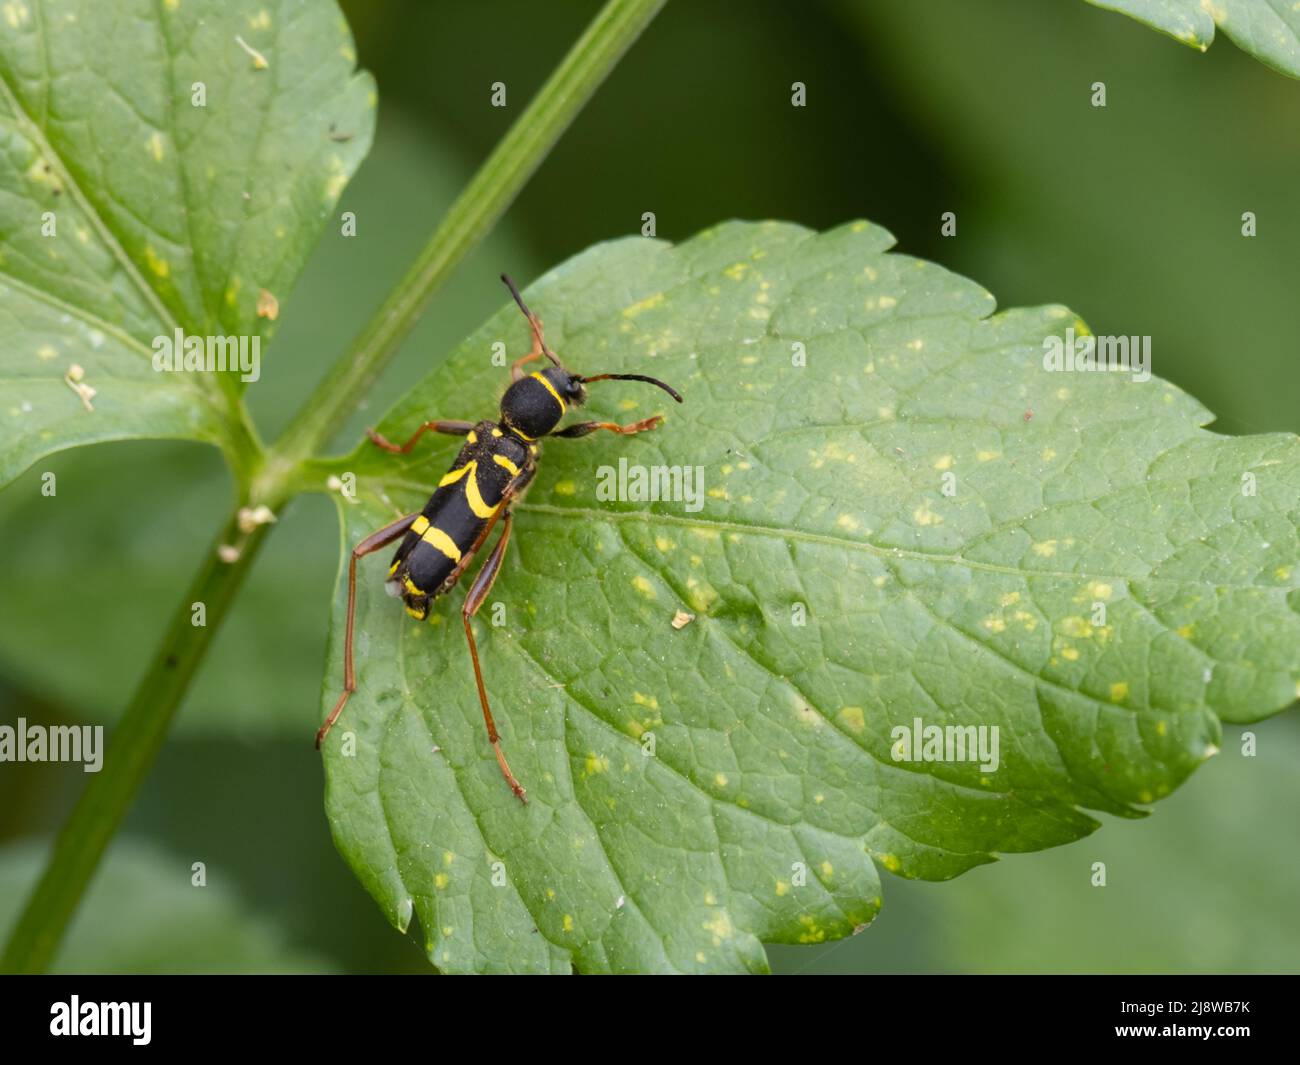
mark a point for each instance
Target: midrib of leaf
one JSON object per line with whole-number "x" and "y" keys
{"x": 589, "y": 516}
{"x": 886, "y": 554}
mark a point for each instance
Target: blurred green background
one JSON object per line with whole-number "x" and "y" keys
{"x": 1131, "y": 215}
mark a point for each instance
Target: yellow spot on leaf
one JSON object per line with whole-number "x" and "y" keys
{"x": 1118, "y": 691}
{"x": 643, "y": 305}
{"x": 853, "y": 718}
{"x": 161, "y": 267}
{"x": 923, "y": 515}
{"x": 644, "y": 587}
{"x": 1077, "y": 627}
{"x": 720, "y": 926}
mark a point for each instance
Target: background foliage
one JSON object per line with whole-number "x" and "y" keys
{"x": 1131, "y": 215}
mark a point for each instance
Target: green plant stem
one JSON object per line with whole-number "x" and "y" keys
{"x": 483, "y": 201}
{"x": 140, "y": 734}
{"x": 136, "y": 742}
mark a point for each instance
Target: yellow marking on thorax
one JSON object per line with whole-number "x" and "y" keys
{"x": 438, "y": 539}
{"x": 501, "y": 460}
{"x": 496, "y": 432}
{"x": 472, "y": 437}
{"x": 551, "y": 389}
{"x": 419, "y": 525}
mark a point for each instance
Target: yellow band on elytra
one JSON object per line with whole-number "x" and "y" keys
{"x": 475, "y": 498}
{"x": 455, "y": 475}
{"x": 436, "y": 538}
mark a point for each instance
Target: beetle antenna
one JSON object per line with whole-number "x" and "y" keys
{"x": 633, "y": 377}
{"x": 534, "y": 323}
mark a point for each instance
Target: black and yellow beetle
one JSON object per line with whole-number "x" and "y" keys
{"x": 496, "y": 464}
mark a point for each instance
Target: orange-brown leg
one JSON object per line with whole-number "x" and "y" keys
{"x": 451, "y": 428}
{"x": 583, "y": 428}
{"x": 372, "y": 543}
{"x": 517, "y": 367}
{"x": 473, "y": 600}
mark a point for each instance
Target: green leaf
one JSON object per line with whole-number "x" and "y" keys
{"x": 164, "y": 214}
{"x": 144, "y": 915}
{"x": 825, "y": 490}
{"x": 1267, "y": 29}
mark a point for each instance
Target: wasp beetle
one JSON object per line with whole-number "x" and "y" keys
{"x": 494, "y": 467}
